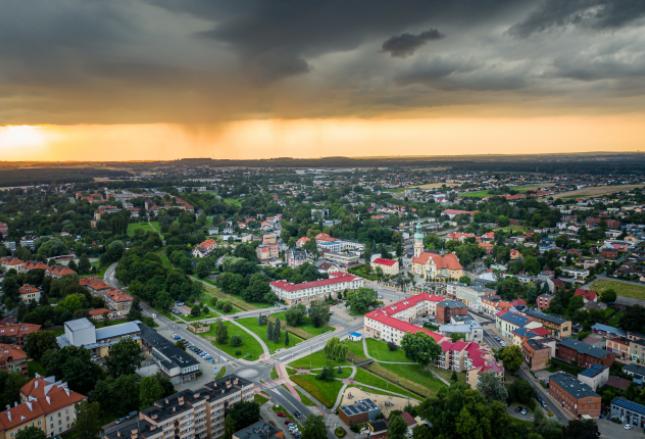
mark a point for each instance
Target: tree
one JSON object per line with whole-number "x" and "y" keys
{"x": 421, "y": 348}
{"x": 286, "y": 338}
{"x": 336, "y": 350}
{"x": 326, "y": 374}
{"x": 361, "y": 300}
{"x": 202, "y": 269}
{"x": 84, "y": 266}
{"x": 314, "y": 428}
{"x": 633, "y": 318}
{"x": 608, "y": 296}
{"x": 492, "y": 387}
{"x": 125, "y": 357}
{"x": 421, "y": 432}
{"x": 396, "y": 426}
{"x": 38, "y": 343}
{"x": 512, "y": 358}
{"x": 319, "y": 314}
{"x": 221, "y": 332}
{"x": 296, "y": 315}
{"x": 10, "y": 384}
{"x": 242, "y": 415}
{"x": 31, "y": 433}
{"x": 150, "y": 390}
{"x": 276, "y": 331}
{"x": 74, "y": 365}
{"x": 520, "y": 391}
{"x": 117, "y": 396}
{"x": 87, "y": 424}
{"x": 269, "y": 330}
{"x": 236, "y": 341}
{"x": 587, "y": 429}
{"x": 113, "y": 252}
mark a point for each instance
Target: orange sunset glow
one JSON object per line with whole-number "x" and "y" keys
{"x": 146, "y": 80}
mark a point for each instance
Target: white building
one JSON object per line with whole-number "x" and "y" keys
{"x": 306, "y": 292}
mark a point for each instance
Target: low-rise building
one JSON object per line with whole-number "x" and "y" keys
{"x": 259, "y": 430}
{"x": 389, "y": 267}
{"x": 595, "y": 376}
{"x": 629, "y": 412}
{"x": 582, "y": 354}
{"x": 578, "y": 398}
{"x": 204, "y": 248}
{"x": 46, "y": 404}
{"x": 15, "y": 333}
{"x": 306, "y": 292}
{"x": 176, "y": 364}
{"x": 543, "y": 301}
{"x": 559, "y": 326}
{"x": 187, "y": 414}
{"x": 82, "y": 333}
{"x": 448, "y": 309}
{"x": 536, "y": 354}
{"x": 359, "y": 412}
{"x": 13, "y": 359}
{"x": 29, "y": 293}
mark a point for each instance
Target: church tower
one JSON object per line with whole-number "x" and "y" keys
{"x": 418, "y": 241}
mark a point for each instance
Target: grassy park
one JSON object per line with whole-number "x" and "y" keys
{"x": 249, "y": 350}
{"x": 252, "y": 324}
{"x": 152, "y": 226}
{"x": 624, "y": 289}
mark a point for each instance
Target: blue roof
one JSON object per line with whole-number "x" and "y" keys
{"x": 514, "y": 318}
{"x": 356, "y": 334}
{"x": 592, "y": 370}
{"x": 634, "y": 369}
{"x": 606, "y": 328}
{"x": 628, "y": 405}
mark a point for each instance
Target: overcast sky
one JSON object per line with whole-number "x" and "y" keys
{"x": 254, "y": 78}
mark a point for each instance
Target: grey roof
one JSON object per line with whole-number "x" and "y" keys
{"x": 169, "y": 350}
{"x": 259, "y": 430}
{"x": 117, "y": 330}
{"x": 609, "y": 329}
{"x": 514, "y": 318}
{"x": 452, "y": 304}
{"x": 634, "y": 369}
{"x": 593, "y": 370}
{"x": 628, "y": 405}
{"x": 571, "y": 385}
{"x": 584, "y": 348}
{"x": 544, "y": 316}
{"x": 79, "y": 324}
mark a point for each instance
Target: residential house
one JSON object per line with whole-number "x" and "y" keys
{"x": 15, "y": 333}
{"x": 13, "y": 359}
{"x": 578, "y": 398}
{"x": 595, "y": 376}
{"x": 582, "y": 354}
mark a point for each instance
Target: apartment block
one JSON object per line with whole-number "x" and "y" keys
{"x": 189, "y": 414}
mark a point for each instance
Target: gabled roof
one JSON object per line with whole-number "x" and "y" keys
{"x": 384, "y": 261}
{"x": 290, "y": 287}
{"x": 584, "y": 348}
{"x": 449, "y": 261}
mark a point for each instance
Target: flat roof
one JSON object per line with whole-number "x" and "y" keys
{"x": 572, "y": 386}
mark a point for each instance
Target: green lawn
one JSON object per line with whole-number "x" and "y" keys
{"x": 621, "y": 288}
{"x": 250, "y": 349}
{"x": 412, "y": 377}
{"x": 324, "y": 391}
{"x": 261, "y": 330}
{"x": 307, "y": 330}
{"x": 365, "y": 377}
{"x": 211, "y": 290}
{"x": 164, "y": 259}
{"x": 364, "y": 272}
{"x": 232, "y": 202}
{"x": 474, "y": 194}
{"x": 202, "y": 316}
{"x": 153, "y": 226}
{"x": 379, "y": 350}
{"x": 315, "y": 360}
{"x": 305, "y": 399}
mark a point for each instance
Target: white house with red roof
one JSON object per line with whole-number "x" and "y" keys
{"x": 204, "y": 248}
{"x": 392, "y": 322}
{"x": 389, "y": 267}
{"x": 430, "y": 265}
{"x": 29, "y": 293}
{"x": 306, "y": 292}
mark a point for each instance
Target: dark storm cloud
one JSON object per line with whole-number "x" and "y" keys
{"x": 406, "y": 44}
{"x": 97, "y": 61}
{"x": 297, "y": 29}
{"x": 597, "y": 14}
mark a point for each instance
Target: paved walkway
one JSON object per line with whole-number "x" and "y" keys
{"x": 341, "y": 392}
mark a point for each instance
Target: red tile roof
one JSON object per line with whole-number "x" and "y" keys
{"x": 51, "y": 394}
{"x": 18, "y": 329}
{"x": 587, "y": 294}
{"x": 27, "y": 289}
{"x": 11, "y": 352}
{"x": 207, "y": 245}
{"x": 334, "y": 279}
{"x": 60, "y": 271}
{"x": 116, "y": 295}
{"x": 20, "y": 414}
{"x": 384, "y": 261}
{"x": 325, "y": 237}
{"x": 34, "y": 265}
{"x": 94, "y": 283}
{"x": 10, "y": 260}
{"x": 448, "y": 261}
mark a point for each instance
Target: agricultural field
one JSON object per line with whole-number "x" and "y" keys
{"x": 598, "y": 191}
{"x": 624, "y": 289}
